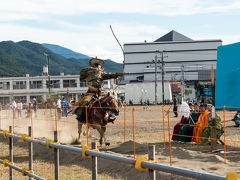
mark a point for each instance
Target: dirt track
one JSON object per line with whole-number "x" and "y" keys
{"x": 148, "y": 129}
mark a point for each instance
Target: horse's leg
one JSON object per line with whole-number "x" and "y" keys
{"x": 79, "y": 131}
{"x": 103, "y": 130}
{"x": 99, "y": 129}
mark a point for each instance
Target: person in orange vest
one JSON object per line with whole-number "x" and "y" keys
{"x": 201, "y": 124}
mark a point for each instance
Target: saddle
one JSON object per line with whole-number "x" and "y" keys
{"x": 82, "y": 116}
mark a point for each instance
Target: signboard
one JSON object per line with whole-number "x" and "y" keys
{"x": 228, "y": 77}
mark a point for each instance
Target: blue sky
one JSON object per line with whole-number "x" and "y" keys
{"x": 83, "y": 26}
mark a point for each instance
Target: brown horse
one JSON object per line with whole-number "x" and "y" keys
{"x": 98, "y": 114}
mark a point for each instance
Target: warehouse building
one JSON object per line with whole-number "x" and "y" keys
{"x": 174, "y": 57}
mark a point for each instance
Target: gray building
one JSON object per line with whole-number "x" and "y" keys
{"x": 181, "y": 58}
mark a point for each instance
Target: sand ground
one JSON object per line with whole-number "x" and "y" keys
{"x": 149, "y": 128}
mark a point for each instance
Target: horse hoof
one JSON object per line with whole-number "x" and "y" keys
{"x": 107, "y": 143}
{"x": 77, "y": 141}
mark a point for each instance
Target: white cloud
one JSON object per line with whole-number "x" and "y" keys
{"x": 93, "y": 41}
{"x": 97, "y": 40}
{"x": 156, "y": 7}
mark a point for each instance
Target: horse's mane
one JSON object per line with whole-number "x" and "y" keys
{"x": 108, "y": 94}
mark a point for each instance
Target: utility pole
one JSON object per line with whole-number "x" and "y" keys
{"x": 183, "y": 88}
{"x": 162, "y": 62}
{"x": 155, "y": 79}
{"x": 47, "y": 56}
{"x": 162, "y": 79}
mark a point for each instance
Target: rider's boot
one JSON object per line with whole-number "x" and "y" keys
{"x": 81, "y": 113}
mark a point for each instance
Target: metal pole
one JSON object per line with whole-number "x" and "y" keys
{"x": 30, "y": 151}
{"x": 162, "y": 79}
{"x": 94, "y": 163}
{"x": 155, "y": 79}
{"x": 159, "y": 167}
{"x": 151, "y": 156}
{"x": 56, "y": 157}
{"x": 183, "y": 89}
{"x": 10, "y": 153}
{"x": 20, "y": 170}
{"x": 48, "y": 77}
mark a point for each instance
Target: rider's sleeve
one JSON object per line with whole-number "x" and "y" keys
{"x": 111, "y": 76}
{"x": 83, "y": 74}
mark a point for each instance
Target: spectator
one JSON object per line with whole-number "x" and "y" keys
{"x": 35, "y": 106}
{"x": 19, "y": 108}
{"x": 201, "y": 124}
{"x": 175, "y": 108}
{"x": 65, "y": 105}
{"x": 59, "y": 108}
{"x": 28, "y": 108}
{"x": 14, "y": 107}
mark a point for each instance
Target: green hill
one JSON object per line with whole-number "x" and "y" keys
{"x": 25, "y": 57}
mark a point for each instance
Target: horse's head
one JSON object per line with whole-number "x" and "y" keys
{"x": 110, "y": 102}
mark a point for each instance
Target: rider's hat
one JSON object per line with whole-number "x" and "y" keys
{"x": 95, "y": 61}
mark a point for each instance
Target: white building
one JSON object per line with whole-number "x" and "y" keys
{"x": 141, "y": 93}
{"x": 27, "y": 88}
{"x": 184, "y": 59}
{"x": 179, "y": 52}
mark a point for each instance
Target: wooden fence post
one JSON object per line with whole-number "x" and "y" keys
{"x": 151, "y": 156}
{"x": 30, "y": 151}
{"x": 56, "y": 157}
{"x": 10, "y": 154}
{"x": 94, "y": 163}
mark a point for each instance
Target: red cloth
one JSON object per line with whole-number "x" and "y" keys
{"x": 177, "y": 127}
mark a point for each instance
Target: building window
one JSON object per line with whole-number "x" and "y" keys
{"x": 69, "y": 83}
{"x": 19, "y": 85}
{"x": 54, "y": 83}
{"x": 22, "y": 99}
{"x": 4, "y": 85}
{"x": 36, "y": 85}
{"x": 83, "y": 83}
{"x": 4, "y": 100}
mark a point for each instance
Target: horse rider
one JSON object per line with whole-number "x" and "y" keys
{"x": 94, "y": 75}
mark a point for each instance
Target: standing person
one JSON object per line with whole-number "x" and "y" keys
{"x": 59, "y": 108}
{"x": 14, "y": 108}
{"x": 65, "y": 105}
{"x": 19, "y": 108}
{"x": 175, "y": 108}
{"x": 28, "y": 110}
{"x": 35, "y": 106}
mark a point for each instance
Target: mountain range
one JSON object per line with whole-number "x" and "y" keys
{"x": 25, "y": 57}
{"x": 65, "y": 52}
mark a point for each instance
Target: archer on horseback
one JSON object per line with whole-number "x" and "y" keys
{"x": 95, "y": 76}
